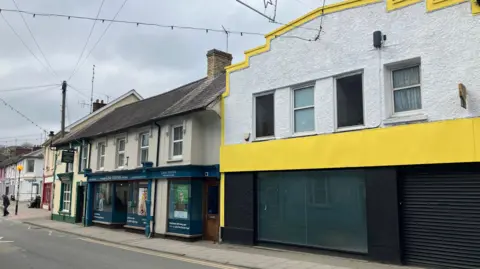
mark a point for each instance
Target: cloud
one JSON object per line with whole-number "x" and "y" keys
{"x": 149, "y": 59}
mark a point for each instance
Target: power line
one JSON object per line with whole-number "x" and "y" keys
{"x": 80, "y": 91}
{"x": 23, "y": 42}
{"x": 17, "y": 136}
{"x": 103, "y": 34}
{"x": 23, "y": 115}
{"x": 88, "y": 39}
{"x": 35, "y": 40}
{"x": 171, "y": 26}
{"x": 28, "y": 88}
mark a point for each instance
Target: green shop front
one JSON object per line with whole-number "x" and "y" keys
{"x": 129, "y": 198}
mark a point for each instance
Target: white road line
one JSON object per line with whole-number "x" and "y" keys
{"x": 49, "y": 232}
{"x": 29, "y": 227}
{"x": 163, "y": 255}
{"x": 6, "y": 242}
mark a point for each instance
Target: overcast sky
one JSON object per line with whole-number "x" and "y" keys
{"x": 148, "y": 59}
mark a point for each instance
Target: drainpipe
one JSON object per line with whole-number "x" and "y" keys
{"x": 54, "y": 182}
{"x": 157, "y": 163}
{"x": 85, "y": 190}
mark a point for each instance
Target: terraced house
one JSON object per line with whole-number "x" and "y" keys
{"x": 153, "y": 165}
{"x": 362, "y": 140}
{"x": 57, "y": 168}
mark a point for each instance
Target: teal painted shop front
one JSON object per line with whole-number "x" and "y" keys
{"x": 124, "y": 198}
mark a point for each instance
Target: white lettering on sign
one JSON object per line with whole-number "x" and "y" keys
{"x": 177, "y": 225}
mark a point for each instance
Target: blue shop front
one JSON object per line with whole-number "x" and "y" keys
{"x": 129, "y": 199}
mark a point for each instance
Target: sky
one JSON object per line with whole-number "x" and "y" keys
{"x": 150, "y": 60}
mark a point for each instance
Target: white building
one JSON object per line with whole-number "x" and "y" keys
{"x": 160, "y": 153}
{"x": 362, "y": 139}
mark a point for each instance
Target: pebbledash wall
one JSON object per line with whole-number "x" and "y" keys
{"x": 440, "y": 37}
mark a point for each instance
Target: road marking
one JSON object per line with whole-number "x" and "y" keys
{"x": 29, "y": 227}
{"x": 49, "y": 232}
{"x": 163, "y": 255}
{"x": 1, "y": 237}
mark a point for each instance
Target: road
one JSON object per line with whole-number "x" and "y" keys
{"x": 26, "y": 247}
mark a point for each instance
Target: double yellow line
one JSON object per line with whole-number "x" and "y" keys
{"x": 162, "y": 255}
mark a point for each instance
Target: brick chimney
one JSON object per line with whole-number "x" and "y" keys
{"x": 217, "y": 61}
{"x": 97, "y": 105}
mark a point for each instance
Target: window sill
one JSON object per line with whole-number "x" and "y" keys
{"x": 350, "y": 128}
{"x": 304, "y": 134}
{"x": 399, "y": 119}
{"x": 64, "y": 212}
{"x": 175, "y": 160}
{"x": 266, "y": 138}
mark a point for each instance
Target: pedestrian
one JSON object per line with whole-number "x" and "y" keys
{"x": 6, "y": 203}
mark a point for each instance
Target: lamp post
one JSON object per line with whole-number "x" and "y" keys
{"x": 19, "y": 169}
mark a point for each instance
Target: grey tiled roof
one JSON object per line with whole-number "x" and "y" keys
{"x": 187, "y": 98}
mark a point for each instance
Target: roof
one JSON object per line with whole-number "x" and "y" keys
{"x": 9, "y": 161}
{"x": 34, "y": 154}
{"x": 187, "y": 98}
{"x": 57, "y": 136}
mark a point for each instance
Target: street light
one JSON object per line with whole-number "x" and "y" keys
{"x": 19, "y": 168}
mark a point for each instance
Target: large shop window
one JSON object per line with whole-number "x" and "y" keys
{"x": 350, "y": 101}
{"x": 324, "y": 209}
{"x": 264, "y": 115}
{"x": 103, "y": 197}
{"x": 137, "y": 203}
{"x": 179, "y": 198}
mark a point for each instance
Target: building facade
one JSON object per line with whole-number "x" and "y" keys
{"x": 153, "y": 164}
{"x": 361, "y": 140}
{"x": 55, "y": 167}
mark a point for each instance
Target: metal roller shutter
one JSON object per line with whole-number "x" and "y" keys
{"x": 441, "y": 220}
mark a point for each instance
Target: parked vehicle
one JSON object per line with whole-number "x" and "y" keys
{"x": 34, "y": 202}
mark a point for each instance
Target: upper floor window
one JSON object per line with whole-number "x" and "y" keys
{"x": 303, "y": 110}
{"x": 120, "y": 152}
{"x": 69, "y": 167}
{"x": 101, "y": 156}
{"x": 406, "y": 89}
{"x": 143, "y": 144}
{"x": 177, "y": 141}
{"x": 83, "y": 157}
{"x": 30, "y": 166}
{"x": 264, "y": 115}
{"x": 349, "y": 100}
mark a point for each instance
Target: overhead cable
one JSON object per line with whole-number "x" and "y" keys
{"x": 23, "y": 42}
{"x": 88, "y": 39}
{"x": 23, "y": 115}
{"x": 35, "y": 40}
{"x": 27, "y": 88}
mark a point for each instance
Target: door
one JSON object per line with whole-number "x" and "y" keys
{"x": 212, "y": 218}
{"x": 441, "y": 220}
{"x": 80, "y": 203}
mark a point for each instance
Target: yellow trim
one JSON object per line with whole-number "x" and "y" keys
{"x": 396, "y": 4}
{"x": 433, "y": 5}
{"x": 290, "y": 26}
{"x": 452, "y": 141}
{"x": 475, "y": 8}
{"x": 222, "y": 198}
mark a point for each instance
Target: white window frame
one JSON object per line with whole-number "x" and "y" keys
{"x": 27, "y": 170}
{"x": 173, "y": 141}
{"x": 353, "y": 127}
{"x": 142, "y": 148}
{"x": 401, "y": 67}
{"x": 118, "y": 152}
{"x": 294, "y": 109}
{"x": 101, "y": 156}
{"x": 254, "y": 113}
{"x": 83, "y": 157}
{"x": 69, "y": 201}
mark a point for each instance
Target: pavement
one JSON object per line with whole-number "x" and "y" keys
{"x": 24, "y": 212}
{"x": 226, "y": 254}
{"x": 23, "y": 246}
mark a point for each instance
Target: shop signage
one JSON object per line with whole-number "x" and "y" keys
{"x": 102, "y": 216}
{"x": 68, "y": 156}
{"x": 179, "y": 226}
{"x": 136, "y": 220}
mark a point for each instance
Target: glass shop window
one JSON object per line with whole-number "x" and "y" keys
{"x": 103, "y": 197}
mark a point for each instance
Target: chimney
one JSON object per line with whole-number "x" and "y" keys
{"x": 217, "y": 61}
{"x": 97, "y": 105}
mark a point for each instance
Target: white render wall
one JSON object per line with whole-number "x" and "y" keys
{"x": 160, "y": 213}
{"x": 446, "y": 41}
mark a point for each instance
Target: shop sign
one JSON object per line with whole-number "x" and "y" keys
{"x": 179, "y": 226}
{"x": 102, "y": 216}
{"x": 136, "y": 220}
{"x": 68, "y": 156}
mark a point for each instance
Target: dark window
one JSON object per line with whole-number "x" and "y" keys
{"x": 349, "y": 101}
{"x": 264, "y": 116}
{"x": 213, "y": 200}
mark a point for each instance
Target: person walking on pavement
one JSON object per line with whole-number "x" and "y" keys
{"x": 6, "y": 203}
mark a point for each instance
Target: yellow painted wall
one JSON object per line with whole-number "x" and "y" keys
{"x": 56, "y": 200}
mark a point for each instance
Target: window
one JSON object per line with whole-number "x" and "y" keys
{"x": 67, "y": 188}
{"x": 303, "y": 110}
{"x": 406, "y": 89}
{"x": 177, "y": 141}
{"x": 101, "y": 156}
{"x": 83, "y": 157}
{"x": 103, "y": 197}
{"x": 137, "y": 203}
{"x": 143, "y": 143}
{"x": 350, "y": 101}
{"x": 120, "y": 152}
{"x": 264, "y": 115}
{"x": 30, "y": 166}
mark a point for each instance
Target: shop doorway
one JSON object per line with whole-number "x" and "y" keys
{"x": 212, "y": 218}
{"x": 80, "y": 203}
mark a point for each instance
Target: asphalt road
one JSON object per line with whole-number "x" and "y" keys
{"x": 26, "y": 247}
